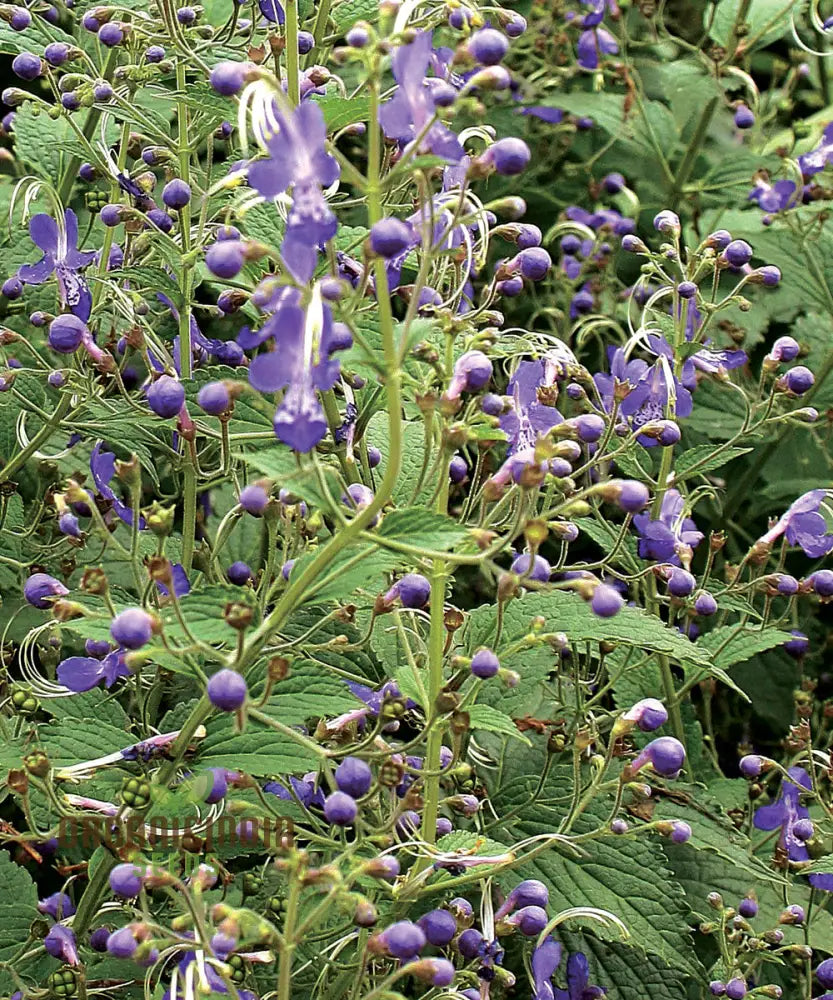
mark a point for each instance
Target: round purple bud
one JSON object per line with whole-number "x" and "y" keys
{"x": 666, "y": 222}
{"x": 225, "y": 258}
{"x": 798, "y": 645}
{"x": 488, "y": 46}
{"x": 633, "y": 496}
{"x": 340, "y": 809}
{"x": 165, "y": 396}
{"x": 534, "y": 263}
{"x": 40, "y": 588}
{"x": 457, "y": 469}
{"x": 705, "y": 604}
{"x": 606, "y": 601}
{"x": 239, "y": 573}
{"x": 681, "y": 583}
{"x": 414, "y": 590}
{"x": 227, "y": 690}
{"x": 253, "y": 499}
{"x": 438, "y": 926}
{"x": 214, "y": 398}
{"x": 404, "y": 940}
{"x": 798, "y": 380}
{"x": 687, "y": 289}
{"x": 228, "y": 77}
{"x": 111, "y": 34}
{"x": 126, "y": 880}
{"x": 391, "y": 237}
{"x": 736, "y": 989}
{"x": 176, "y": 194}
{"x": 484, "y": 664}
{"x": 122, "y": 943}
{"x": 824, "y": 973}
{"x": 132, "y": 628}
{"x": 785, "y": 349}
{"x": 66, "y": 333}
{"x": 744, "y": 118}
{"x": 27, "y": 66}
{"x": 738, "y": 253}
{"x": 353, "y": 776}
{"x": 536, "y": 568}
{"x": 748, "y": 908}
{"x": 509, "y": 157}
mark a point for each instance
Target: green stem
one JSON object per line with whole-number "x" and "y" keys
{"x": 693, "y": 148}
{"x": 42, "y": 436}
{"x": 293, "y": 78}
{"x": 285, "y": 965}
{"x": 298, "y": 587}
{"x": 189, "y": 507}
{"x": 436, "y": 640}
{"x": 71, "y": 172}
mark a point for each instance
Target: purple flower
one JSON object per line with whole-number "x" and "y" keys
{"x": 595, "y": 40}
{"x": 82, "y": 673}
{"x": 529, "y": 418}
{"x": 578, "y": 977}
{"x": 661, "y": 539}
{"x": 60, "y": 943}
{"x": 777, "y": 197}
{"x": 786, "y": 814}
{"x": 271, "y": 10}
{"x": 301, "y": 364}
{"x": 57, "y": 906}
{"x": 817, "y": 159}
{"x": 802, "y": 524}
{"x": 298, "y": 159}
{"x": 657, "y": 391}
{"x": 182, "y": 585}
{"x": 306, "y": 790}
{"x": 621, "y": 370}
{"x": 103, "y": 468}
{"x": 62, "y": 258}
{"x": 405, "y": 116}
{"x": 545, "y": 960}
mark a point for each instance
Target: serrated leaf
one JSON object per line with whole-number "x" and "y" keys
{"x": 705, "y": 459}
{"x": 95, "y": 704}
{"x": 568, "y": 613}
{"x": 72, "y": 740}
{"x": 731, "y": 644}
{"x": 309, "y": 692}
{"x": 258, "y": 750}
{"x": 339, "y": 112}
{"x": 407, "y": 489}
{"x": 422, "y": 529}
{"x": 494, "y": 721}
{"x": 628, "y": 878}
{"x": 361, "y": 566}
{"x": 17, "y": 911}
{"x": 38, "y": 140}
{"x": 346, "y": 13}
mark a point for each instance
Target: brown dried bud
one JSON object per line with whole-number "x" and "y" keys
{"x": 237, "y": 615}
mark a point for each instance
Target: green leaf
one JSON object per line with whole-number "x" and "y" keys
{"x": 18, "y": 908}
{"x": 361, "y": 566}
{"x": 356, "y": 664}
{"x": 731, "y": 644}
{"x": 95, "y": 704}
{"x": 704, "y": 457}
{"x": 608, "y": 111}
{"x": 629, "y": 878}
{"x": 625, "y": 972}
{"x": 37, "y": 141}
{"x": 494, "y": 721}
{"x": 413, "y": 453}
{"x": 258, "y": 750}
{"x": 568, "y": 613}
{"x": 346, "y": 13}
{"x": 72, "y": 740}
{"x": 768, "y": 19}
{"x": 605, "y": 534}
{"x": 339, "y": 112}
{"x": 310, "y": 691}
{"x": 422, "y": 529}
